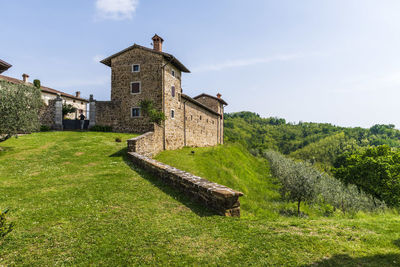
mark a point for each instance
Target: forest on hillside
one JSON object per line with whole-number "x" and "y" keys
{"x": 366, "y": 157}
{"x": 318, "y": 143}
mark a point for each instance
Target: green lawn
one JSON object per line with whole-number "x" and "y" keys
{"x": 76, "y": 201}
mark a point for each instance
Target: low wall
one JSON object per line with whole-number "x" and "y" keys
{"x": 223, "y": 200}
{"x": 148, "y": 144}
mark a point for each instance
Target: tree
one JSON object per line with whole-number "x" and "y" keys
{"x": 67, "y": 109}
{"x": 36, "y": 83}
{"x": 154, "y": 115}
{"x": 376, "y": 170}
{"x": 19, "y": 108}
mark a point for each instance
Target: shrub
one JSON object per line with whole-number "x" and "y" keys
{"x": 45, "y": 128}
{"x": 101, "y": 128}
{"x": 118, "y": 140}
{"x": 36, "y": 83}
{"x": 19, "y": 108}
{"x": 5, "y": 228}
{"x": 301, "y": 182}
{"x": 375, "y": 170}
{"x": 67, "y": 109}
{"x": 154, "y": 115}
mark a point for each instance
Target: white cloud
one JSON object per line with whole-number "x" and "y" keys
{"x": 245, "y": 62}
{"x": 116, "y": 9}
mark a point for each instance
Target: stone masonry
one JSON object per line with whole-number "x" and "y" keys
{"x": 139, "y": 73}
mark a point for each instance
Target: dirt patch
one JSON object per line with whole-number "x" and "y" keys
{"x": 79, "y": 153}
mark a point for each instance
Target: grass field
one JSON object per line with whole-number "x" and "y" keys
{"x": 77, "y": 201}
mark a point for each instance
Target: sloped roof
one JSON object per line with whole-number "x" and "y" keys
{"x": 216, "y": 98}
{"x": 169, "y": 57}
{"x": 4, "y": 66}
{"x": 200, "y": 104}
{"x": 42, "y": 88}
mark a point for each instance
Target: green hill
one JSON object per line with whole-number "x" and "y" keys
{"x": 233, "y": 166}
{"x": 318, "y": 142}
{"x": 76, "y": 200}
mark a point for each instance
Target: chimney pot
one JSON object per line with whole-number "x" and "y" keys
{"x": 25, "y": 77}
{"x": 219, "y": 95}
{"x": 78, "y": 94}
{"x": 157, "y": 43}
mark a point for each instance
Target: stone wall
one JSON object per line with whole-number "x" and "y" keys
{"x": 224, "y": 200}
{"x": 148, "y": 144}
{"x": 200, "y": 126}
{"x": 47, "y": 113}
{"x": 174, "y": 127}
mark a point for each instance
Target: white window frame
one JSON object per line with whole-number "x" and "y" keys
{"x": 140, "y": 112}
{"x": 172, "y": 110}
{"x": 140, "y": 88}
{"x": 135, "y": 65}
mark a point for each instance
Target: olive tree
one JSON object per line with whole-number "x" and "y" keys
{"x": 19, "y": 108}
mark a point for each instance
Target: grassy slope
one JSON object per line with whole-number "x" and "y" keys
{"x": 233, "y": 166}
{"x": 76, "y": 201}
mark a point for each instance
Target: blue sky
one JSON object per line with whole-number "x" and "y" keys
{"x": 334, "y": 61}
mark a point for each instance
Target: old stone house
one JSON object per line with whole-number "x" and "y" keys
{"x": 139, "y": 73}
{"x": 50, "y": 94}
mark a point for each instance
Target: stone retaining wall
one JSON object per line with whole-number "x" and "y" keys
{"x": 224, "y": 200}
{"x": 148, "y": 144}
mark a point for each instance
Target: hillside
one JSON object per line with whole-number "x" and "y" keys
{"x": 77, "y": 201}
{"x": 315, "y": 142}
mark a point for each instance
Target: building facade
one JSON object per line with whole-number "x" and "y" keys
{"x": 50, "y": 94}
{"x": 139, "y": 73}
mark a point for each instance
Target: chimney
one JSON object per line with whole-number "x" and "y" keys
{"x": 219, "y": 95}
{"x": 157, "y": 43}
{"x": 25, "y": 77}
{"x": 78, "y": 94}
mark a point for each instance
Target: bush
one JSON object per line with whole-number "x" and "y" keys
{"x": 36, "y": 83}
{"x": 45, "y": 128}
{"x": 374, "y": 170}
{"x": 101, "y": 128}
{"x": 118, "y": 140}
{"x": 19, "y": 108}
{"x": 5, "y": 228}
{"x": 154, "y": 115}
{"x": 67, "y": 109}
{"x": 301, "y": 182}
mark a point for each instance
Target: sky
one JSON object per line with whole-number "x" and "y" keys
{"x": 335, "y": 61}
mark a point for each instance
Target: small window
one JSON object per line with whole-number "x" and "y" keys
{"x": 135, "y": 112}
{"x": 135, "y": 88}
{"x": 173, "y": 91}
{"x": 173, "y": 73}
{"x": 81, "y": 103}
{"x": 191, "y": 117}
{"x": 200, "y": 117}
{"x": 73, "y": 101}
{"x": 172, "y": 113}
{"x": 135, "y": 68}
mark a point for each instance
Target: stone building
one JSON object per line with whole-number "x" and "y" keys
{"x": 50, "y": 94}
{"x": 139, "y": 73}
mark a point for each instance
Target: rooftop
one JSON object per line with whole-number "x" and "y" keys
{"x": 4, "y": 66}
{"x": 43, "y": 88}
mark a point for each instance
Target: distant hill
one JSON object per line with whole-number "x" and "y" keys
{"x": 316, "y": 142}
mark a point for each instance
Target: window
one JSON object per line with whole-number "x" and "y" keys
{"x": 135, "y": 68}
{"x": 200, "y": 117}
{"x": 172, "y": 113}
{"x": 173, "y": 73}
{"x": 135, "y": 112}
{"x": 173, "y": 91}
{"x": 135, "y": 87}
